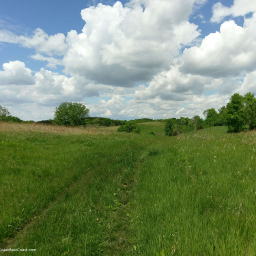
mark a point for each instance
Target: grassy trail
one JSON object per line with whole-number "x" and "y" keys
{"x": 95, "y": 177}
{"x": 126, "y": 194}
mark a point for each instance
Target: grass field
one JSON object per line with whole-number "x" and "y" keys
{"x": 93, "y": 191}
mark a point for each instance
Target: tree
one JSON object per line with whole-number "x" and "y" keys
{"x": 4, "y": 113}
{"x": 236, "y": 115}
{"x": 250, "y": 110}
{"x": 222, "y": 119}
{"x": 211, "y": 117}
{"x": 71, "y": 114}
{"x": 197, "y": 123}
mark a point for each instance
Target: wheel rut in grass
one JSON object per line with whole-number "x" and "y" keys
{"x": 7, "y": 241}
{"x": 88, "y": 176}
{"x": 117, "y": 239}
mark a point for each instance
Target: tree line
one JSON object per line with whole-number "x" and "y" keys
{"x": 238, "y": 115}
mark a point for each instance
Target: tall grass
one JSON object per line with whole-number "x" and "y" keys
{"x": 128, "y": 194}
{"x": 198, "y": 197}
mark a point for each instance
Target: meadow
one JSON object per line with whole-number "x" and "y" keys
{"x": 93, "y": 191}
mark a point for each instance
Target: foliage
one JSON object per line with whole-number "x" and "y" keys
{"x": 95, "y": 121}
{"x": 4, "y": 113}
{"x": 106, "y": 122}
{"x": 239, "y": 114}
{"x": 236, "y": 115}
{"x": 250, "y": 110}
{"x": 222, "y": 117}
{"x": 129, "y": 127}
{"x": 103, "y": 121}
{"x": 211, "y": 116}
{"x": 169, "y": 127}
{"x": 49, "y": 121}
{"x": 175, "y": 126}
{"x": 197, "y": 123}
{"x": 13, "y": 119}
{"x": 143, "y": 120}
{"x": 71, "y": 114}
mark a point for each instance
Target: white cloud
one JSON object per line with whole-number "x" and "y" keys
{"x": 40, "y": 41}
{"x": 44, "y": 43}
{"x": 239, "y": 8}
{"x": 249, "y": 84}
{"x": 173, "y": 85}
{"x": 229, "y": 52}
{"x": 18, "y": 85}
{"x": 16, "y": 73}
{"x": 121, "y": 46}
{"x": 52, "y": 62}
{"x": 8, "y": 37}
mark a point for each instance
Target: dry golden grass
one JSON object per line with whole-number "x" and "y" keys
{"x": 42, "y": 128}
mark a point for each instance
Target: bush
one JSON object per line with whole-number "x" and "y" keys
{"x": 129, "y": 127}
{"x": 169, "y": 127}
{"x": 121, "y": 128}
{"x": 175, "y": 132}
{"x": 13, "y": 119}
{"x": 106, "y": 122}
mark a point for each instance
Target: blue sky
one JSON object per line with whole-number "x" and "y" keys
{"x": 126, "y": 59}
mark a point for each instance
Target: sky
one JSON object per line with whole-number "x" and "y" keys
{"x": 125, "y": 59}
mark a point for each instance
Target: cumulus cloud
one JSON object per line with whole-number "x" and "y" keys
{"x": 52, "y": 62}
{"x": 249, "y": 84}
{"x": 239, "y": 8}
{"x": 229, "y": 52}
{"x": 44, "y": 87}
{"x": 16, "y": 73}
{"x": 40, "y": 41}
{"x": 173, "y": 85}
{"x": 44, "y": 43}
{"x": 122, "y": 45}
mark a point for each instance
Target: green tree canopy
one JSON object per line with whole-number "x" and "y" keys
{"x": 211, "y": 116}
{"x": 236, "y": 115}
{"x": 4, "y": 113}
{"x": 250, "y": 110}
{"x": 71, "y": 114}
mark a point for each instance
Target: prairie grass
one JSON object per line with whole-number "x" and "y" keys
{"x": 108, "y": 193}
{"x": 44, "y": 128}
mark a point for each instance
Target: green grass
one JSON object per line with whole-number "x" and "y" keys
{"x": 128, "y": 194}
{"x": 157, "y": 127}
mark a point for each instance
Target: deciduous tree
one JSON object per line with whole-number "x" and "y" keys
{"x": 71, "y": 114}
{"x": 4, "y": 113}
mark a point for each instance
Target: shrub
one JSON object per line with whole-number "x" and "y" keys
{"x": 129, "y": 127}
{"x": 175, "y": 132}
{"x": 106, "y": 122}
{"x": 169, "y": 127}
